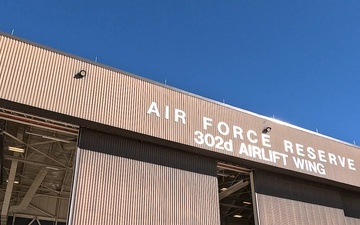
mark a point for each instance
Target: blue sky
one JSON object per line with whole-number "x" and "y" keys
{"x": 298, "y": 61}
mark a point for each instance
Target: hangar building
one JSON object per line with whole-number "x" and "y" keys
{"x": 83, "y": 143}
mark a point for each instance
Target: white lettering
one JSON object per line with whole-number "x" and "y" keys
{"x": 309, "y": 166}
{"x": 332, "y": 159}
{"x": 153, "y": 109}
{"x": 299, "y": 163}
{"x": 262, "y": 154}
{"x": 228, "y": 145}
{"x": 321, "y": 154}
{"x": 199, "y": 139}
{"x": 238, "y": 132}
{"x": 284, "y": 157}
{"x": 265, "y": 140}
{"x": 248, "y": 135}
{"x": 167, "y": 112}
{"x": 299, "y": 149}
{"x": 243, "y": 150}
{"x": 209, "y": 140}
{"x": 223, "y": 128}
{"x": 179, "y": 114}
{"x": 342, "y": 161}
{"x": 256, "y": 151}
{"x": 213, "y": 141}
{"x": 311, "y": 153}
{"x": 206, "y": 122}
{"x": 351, "y": 164}
{"x": 288, "y": 146}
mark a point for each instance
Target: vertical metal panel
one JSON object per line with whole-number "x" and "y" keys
{"x": 351, "y": 204}
{"x": 115, "y": 190}
{"x": 146, "y": 152}
{"x": 287, "y": 200}
{"x": 352, "y": 221}
{"x": 274, "y": 210}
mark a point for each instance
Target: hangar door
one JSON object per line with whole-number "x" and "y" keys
{"x": 235, "y": 194}
{"x": 124, "y": 181}
{"x": 289, "y": 200}
{"x": 37, "y": 159}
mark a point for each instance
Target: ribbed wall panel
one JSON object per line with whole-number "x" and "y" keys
{"x": 352, "y": 221}
{"x": 288, "y": 200}
{"x": 115, "y": 190}
{"x": 41, "y": 78}
{"x": 274, "y": 211}
{"x": 146, "y": 152}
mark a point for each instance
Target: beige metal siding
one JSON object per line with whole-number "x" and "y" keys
{"x": 146, "y": 152}
{"x": 286, "y": 200}
{"x": 274, "y": 211}
{"x": 44, "y": 79}
{"x": 115, "y": 190}
{"x": 352, "y": 221}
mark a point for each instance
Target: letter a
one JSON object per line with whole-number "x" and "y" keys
{"x": 153, "y": 109}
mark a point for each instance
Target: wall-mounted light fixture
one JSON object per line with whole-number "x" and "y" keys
{"x": 266, "y": 130}
{"x": 80, "y": 74}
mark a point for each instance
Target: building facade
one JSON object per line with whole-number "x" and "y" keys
{"x": 84, "y": 143}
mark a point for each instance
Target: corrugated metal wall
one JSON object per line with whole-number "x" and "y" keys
{"x": 138, "y": 184}
{"x": 284, "y": 200}
{"x": 37, "y": 77}
{"x": 275, "y": 210}
{"x": 112, "y": 189}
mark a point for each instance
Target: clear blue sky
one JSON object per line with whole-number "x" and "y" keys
{"x": 296, "y": 60}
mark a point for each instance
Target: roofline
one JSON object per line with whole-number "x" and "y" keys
{"x": 173, "y": 88}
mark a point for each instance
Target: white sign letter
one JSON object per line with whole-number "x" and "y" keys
{"x": 288, "y": 146}
{"x": 206, "y": 122}
{"x": 224, "y": 131}
{"x": 179, "y": 114}
{"x": 153, "y": 109}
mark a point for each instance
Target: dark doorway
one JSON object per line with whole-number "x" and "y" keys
{"x": 235, "y": 195}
